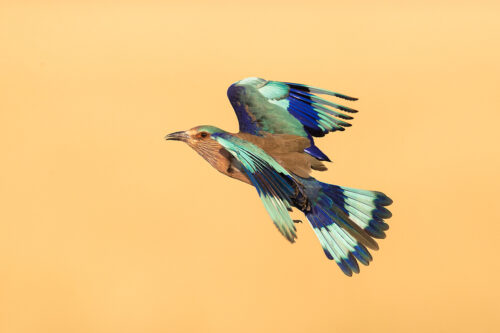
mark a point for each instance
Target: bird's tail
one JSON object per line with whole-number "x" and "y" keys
{"x": 346, "y": 221}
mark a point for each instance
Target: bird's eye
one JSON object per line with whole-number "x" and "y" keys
{"x": 203, "y": 135}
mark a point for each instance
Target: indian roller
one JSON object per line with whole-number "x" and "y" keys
{"x": 275, "y": 152}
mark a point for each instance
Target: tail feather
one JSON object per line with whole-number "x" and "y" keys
{"x": 345, "y": 221}
{"x": 335, "y": 247}
{"x": 365, "y": 208}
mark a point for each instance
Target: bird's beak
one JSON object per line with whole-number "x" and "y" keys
{"x": 177, "y": 136}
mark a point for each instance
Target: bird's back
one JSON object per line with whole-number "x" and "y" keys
{"x": 288, "y": 151}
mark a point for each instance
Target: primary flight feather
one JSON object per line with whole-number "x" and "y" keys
{"x": 275, "y": 152}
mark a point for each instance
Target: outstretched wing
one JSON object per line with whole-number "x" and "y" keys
{"x": 273, "y": 183}
{"x": 287, "y": 108}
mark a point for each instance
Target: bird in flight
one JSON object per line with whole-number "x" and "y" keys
{"x": 275, "y": 152}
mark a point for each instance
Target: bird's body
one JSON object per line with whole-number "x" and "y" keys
{"x": 275, "y": 152}
{"x": 287, "y": 150}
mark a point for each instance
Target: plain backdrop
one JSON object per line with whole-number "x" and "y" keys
{"x": 106, "y": 227}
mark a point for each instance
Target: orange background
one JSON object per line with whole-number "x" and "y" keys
{"x": 105, "y": 227}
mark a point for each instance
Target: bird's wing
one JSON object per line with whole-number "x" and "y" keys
{"x": 273, "y": 183}
{"x": 287, "y": 108}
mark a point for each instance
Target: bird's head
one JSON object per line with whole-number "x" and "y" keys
{"x": 197, "y": 137}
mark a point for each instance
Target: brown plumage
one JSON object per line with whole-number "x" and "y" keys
{"x": 288, "y": 151}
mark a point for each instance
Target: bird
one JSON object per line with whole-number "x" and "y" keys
{"x": 275, "y": 152}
